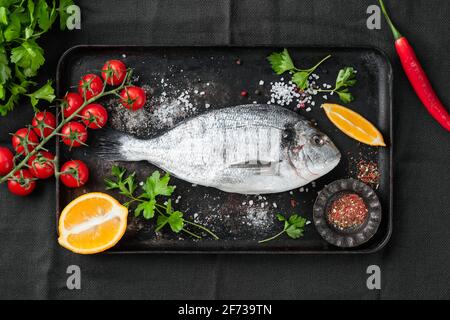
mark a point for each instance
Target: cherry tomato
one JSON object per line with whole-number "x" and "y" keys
{"x": 72, "y": 102}
{"x": 91, "y": 84}
{"x": 94, "y": 116}
{"x": 6, "y": 161}
{"x": 114, "y": 72}
{"x": 24, "y": 141}
{"x": 133, "y": 98}
{"x": 22, "y": 183}
{"x": 74, "y": 134}
{"x": 43, "y": 123}
{"x": 74, "y": 173}
{"x": 42, "y": 165}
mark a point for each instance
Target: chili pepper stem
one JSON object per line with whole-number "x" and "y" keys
{"x": 395, "y": 32}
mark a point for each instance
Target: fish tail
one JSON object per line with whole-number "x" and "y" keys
{"x": 112, "y": 145}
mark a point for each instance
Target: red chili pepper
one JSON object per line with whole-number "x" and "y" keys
{"x": 417, "y": 76}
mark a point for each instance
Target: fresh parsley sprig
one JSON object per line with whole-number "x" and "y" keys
{"x": 154, "y": 188}
{"x": 293, "y": 227}
{"x": 281, "y": 62}
{"x": 22, "y": 22}
{"x": 346, "y": 78}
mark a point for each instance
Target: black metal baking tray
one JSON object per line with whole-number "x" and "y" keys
{"x": 214, "y": 71}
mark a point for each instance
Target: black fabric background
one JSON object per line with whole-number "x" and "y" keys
{"x": 415, "y": 263}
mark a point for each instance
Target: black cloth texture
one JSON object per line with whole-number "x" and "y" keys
{"x": 414, "y": 264}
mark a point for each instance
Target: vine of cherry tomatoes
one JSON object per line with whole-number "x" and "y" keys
{"x": 74, "y": 133}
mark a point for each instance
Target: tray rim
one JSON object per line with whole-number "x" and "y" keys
{"x": 381, "y": 245}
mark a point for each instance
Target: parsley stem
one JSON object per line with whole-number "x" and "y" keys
{"x": 274, "y": 237}
{"x": 310, "y": 70}
{"x": 203, "y": 228}
{"x": 191, "y": 233}
{"x": 326, "y": 90}
{"x": 320, "y": 62}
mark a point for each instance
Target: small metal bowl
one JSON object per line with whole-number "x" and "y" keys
{"x": 349, "y": 237}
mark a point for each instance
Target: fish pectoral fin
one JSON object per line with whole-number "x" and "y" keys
{"x": 256, "y": 167}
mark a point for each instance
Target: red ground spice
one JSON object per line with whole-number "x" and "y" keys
{"x": 368, "y": 172}
{"x": 347, "y": 211}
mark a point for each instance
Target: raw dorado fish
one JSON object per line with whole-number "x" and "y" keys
{"x": 249, "y": 149}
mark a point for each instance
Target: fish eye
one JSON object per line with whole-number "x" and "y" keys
{"x": 318, "y": 140}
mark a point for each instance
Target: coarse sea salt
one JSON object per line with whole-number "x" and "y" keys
{"x": 283, "y": 93}
{"x": 258, "y": 217}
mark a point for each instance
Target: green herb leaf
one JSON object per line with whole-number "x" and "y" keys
{"x": 30, "y": 6}
{"x": 169, "y": 209}
{"x": 346, "y": 78}
{"x": 9, "y": 105}
{"x": 345, "y": 96}
{"x": 301, "y": 79}
{"x": 281, "y": 62}
{"x": 3, "y": 15}
{"x": 148, "y": 208}
{"x": 17, "y": 89}
{"x": 154, "y": 185}
{"x": 118, "y": 172}
{"x": 110, "y": 185}
{"x": 46, "y": 92}
{"x": 28, "y": 56}
{"x": 45, "y": 15}
{"x": 176, "y": 221}
{"x": 294, "y": 232}
{"x": 295, "y": 227}
{"x": 12, "y": 32}
{"x": 5, "y": 71}
{"x": 63, "y": 15}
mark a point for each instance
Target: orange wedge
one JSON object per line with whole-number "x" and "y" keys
{"x": 353, "y": 124}
{"x": 92, "y": 223}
